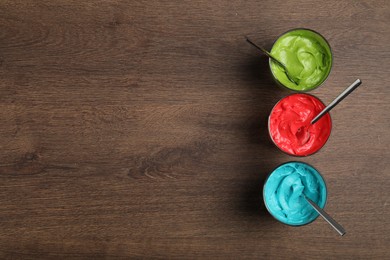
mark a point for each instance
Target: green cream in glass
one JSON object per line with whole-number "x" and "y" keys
{"x": 307, "y": 56}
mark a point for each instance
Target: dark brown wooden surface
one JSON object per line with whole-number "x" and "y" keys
{"x": 137, "y": 129}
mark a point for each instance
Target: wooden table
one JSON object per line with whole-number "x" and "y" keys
{"x": 137, "y": 129}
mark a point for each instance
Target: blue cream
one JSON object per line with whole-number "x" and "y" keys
{"x": 284, "y": 189}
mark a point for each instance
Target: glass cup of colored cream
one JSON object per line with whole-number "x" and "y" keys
{"x": 289, "y": 125}
{"x": 284, "y": 192}
{"x": 307, "y": 56}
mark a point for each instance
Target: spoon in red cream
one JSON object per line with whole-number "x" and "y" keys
{"x": 337, "y": 100}
{"x": 303, "y": 134}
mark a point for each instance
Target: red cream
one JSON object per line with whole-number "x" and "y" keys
{"x": 289, "y": 125}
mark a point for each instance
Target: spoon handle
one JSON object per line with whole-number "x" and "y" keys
{"x": 266, "y": 53}
{"x": 337, "y": 100}
{"x": 327, "y": 218}
{"x": 290, "y": 78}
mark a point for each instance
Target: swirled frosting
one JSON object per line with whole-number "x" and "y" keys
{"x": 284, "y": 189}
{"x": 290, "y": 127}
{"x": 307, "y": 57}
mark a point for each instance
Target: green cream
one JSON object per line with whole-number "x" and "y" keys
{"x": 307, "y": 57}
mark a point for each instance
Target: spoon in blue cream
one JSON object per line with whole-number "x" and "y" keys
{"x": 336, "y": 226}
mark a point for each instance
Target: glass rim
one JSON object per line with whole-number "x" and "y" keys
{"x": 330, "y": 68}
{"x": 325, "y": 185}
{"x": 295, "y": 155}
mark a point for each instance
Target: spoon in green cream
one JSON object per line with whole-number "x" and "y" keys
{"x": 269, "y": 55}
{"x": 325, "y": 216}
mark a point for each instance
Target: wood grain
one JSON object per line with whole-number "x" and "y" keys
{"x": 137, "y": 129}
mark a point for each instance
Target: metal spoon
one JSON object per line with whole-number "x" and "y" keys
{"x": 275, "y": 60}
{"x": 337, "y": 100}
{"x": 327, "y": 218}
{"x": 303, "y": 130}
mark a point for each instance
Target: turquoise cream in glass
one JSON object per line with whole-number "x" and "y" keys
{"x": 307, "y": 56}
{"x": 284, "y": 189}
